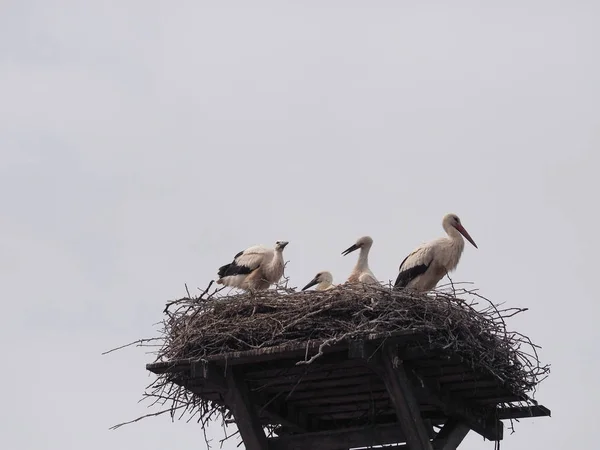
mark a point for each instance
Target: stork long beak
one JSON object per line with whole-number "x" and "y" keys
{"x": 350, "y": 249}
{"x": 467, "y": 236}
{"x": 312, "y": 283}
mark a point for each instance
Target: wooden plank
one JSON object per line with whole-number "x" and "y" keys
{"x": 246, "y": 417}
{"x": 439, "y": 361}
{"x": 316, "y": 385}
{"x": 289, "y": 368}
{"x": 352, "y": 416}
{"x": 342, "y": 407}
{"x": 396, "y": 447}
{"x": 521, "y": 412}
{"x": 337, "y": 391}
{"x": 489, "y": 392}
{"x": 344, "y": 438}
{"x": 451, "y": 435}
{"x": 471, "y": 385}
{"x": 311, "y": 376}
{"x": 407, "y": 408}
{"x": 347, "y": 397}
{"x": 496, "y": 400}
{"x": 455, "y": 378}
{"x": 440, "y": 371}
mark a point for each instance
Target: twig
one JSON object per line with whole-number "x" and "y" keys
{"x": 137, "y": 343}
{"x": 119, "y": 425}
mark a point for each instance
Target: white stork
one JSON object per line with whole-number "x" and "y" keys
{"x": 430, "y": 262}
{"x": 361, "y": 272}
{"x": 255, "y": 268}
{"x": 323, "y": 280}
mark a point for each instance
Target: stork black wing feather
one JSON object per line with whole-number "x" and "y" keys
{"x": 233, "y": 269}
{"x": 406, "y": 276}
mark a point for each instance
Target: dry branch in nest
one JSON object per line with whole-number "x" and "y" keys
{"x": 459, "y": 322}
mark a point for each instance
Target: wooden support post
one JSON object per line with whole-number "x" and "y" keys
{"x": 451, "y": 435}
{"x": 407, "y": 408}
{"x": 246, "y": 417}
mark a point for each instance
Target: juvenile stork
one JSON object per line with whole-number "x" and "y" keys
{"x": 430, "y": 262}
{"x": 323, "y": 280}
{"x": 255, "y": 268}
{"x": 361, "y": 272}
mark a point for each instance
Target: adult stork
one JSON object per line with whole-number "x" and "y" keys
{"x": 361, "y": 272}
{"x": 255, "y": 268}
{"x": 323, "y": 280}
{"x": 430, "y": 262}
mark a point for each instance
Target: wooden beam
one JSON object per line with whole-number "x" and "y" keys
{"x": 489, "y": 427}
{"x": 451, "y": 435}
{"x": 337, "y": 439}
{"x": 521, "y": 412}
{"x": 407, "y": 408}
{"x": 246, "y": 417}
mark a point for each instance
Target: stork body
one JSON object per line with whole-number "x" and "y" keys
{"x": 255, "y": 268}
{"x": 361, "y": 272}
{"x": 323, "y": 281}
{"x": 422, "y": 269}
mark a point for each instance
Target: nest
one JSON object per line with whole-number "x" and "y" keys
{"x": 456, "y": 321}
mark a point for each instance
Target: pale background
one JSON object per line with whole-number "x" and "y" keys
{"x": 144, "y": 143}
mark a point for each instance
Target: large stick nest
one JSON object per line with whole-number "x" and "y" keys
{"x": 471, "y": 327}
{"x": 456, "y": 321}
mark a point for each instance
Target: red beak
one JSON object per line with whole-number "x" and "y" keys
{"x": 467, "y": 236}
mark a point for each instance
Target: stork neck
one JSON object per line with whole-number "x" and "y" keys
{"x": 363, "y": 258}
{"x": 455, "y": 237}
{"x": 274, "y": 260}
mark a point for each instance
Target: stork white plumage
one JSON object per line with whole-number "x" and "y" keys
{"x": 422, "y": 269}
{"x": 323, "y": 281}
{"x": 255, "y": 268}
{"x": 361, "y": 272}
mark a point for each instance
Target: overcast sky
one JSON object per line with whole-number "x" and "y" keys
{"x": 144, "y": 143}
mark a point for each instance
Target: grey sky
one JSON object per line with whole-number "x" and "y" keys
{"x": 144, "y": 143}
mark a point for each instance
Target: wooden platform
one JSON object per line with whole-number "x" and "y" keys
{"x": 381, "y": 390}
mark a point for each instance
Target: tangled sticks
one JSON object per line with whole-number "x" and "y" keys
{"x": 199, "y": 328}
{"x": 456, "y": 322}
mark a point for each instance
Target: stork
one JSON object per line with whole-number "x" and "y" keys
{"x": 430, "y": 262}
{"x": 361, "y": 272}
{"x": 323, "y": 280}
{"x": 255, "y": 268}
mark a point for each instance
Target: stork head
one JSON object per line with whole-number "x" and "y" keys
{"x": 363, "y": 242}
{"x": 280, "y": 245}
{"x": 452, "y": 220}
{"x": 321, "y": 277}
